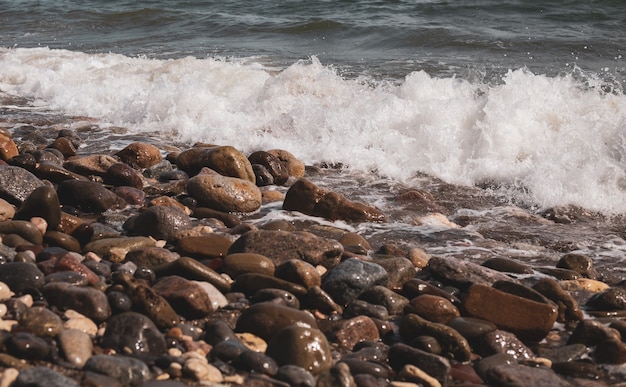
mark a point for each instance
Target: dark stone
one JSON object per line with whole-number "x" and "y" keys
{"x": 88, "y": 196}
{"x": 271, "y": 164}
{"x": 25, "y": 345}
{"x": 42, "y": 202}
{"x": 281, "y": 246}
{"x": 16, "y": 184}
{"x": 42, "y": 377}
{"x": 438, "y": 367}
{"x": 21, "y": 276}
{"x": 519, "y": 375}
{"x": 161, "y": 222}
{"x": 452, "y": 343}
{"x": 613, "y": 298}
{"x": 133, "y": 331}
{"x": 507, "y": 265}
{"x": 266, "y": 319}
{"x": 345, "y": 282}
{"x": 120, "y": 174}
{"x": 295, "y": 376}
{"x": 578, "y": 263}
{"x": 305, "y": 347}
{"x": 88, "y": 301}
{"x": 393, "y": 302}
{"x": 463, "y": 273}
{"x": 128, "y": 371}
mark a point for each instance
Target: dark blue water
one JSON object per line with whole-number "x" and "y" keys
{"x": 379, "y": 38}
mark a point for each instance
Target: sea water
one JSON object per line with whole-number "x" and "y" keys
{"x": 516, "y": 99}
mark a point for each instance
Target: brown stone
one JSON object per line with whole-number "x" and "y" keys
{"x": 120, "y": 174}
{"x": 294, "y": 166}
{"x": 272, "y": 164}
{"x": 42, "y": 202}
{"x": 90, "y": 165}
{"x": 266, "y": 319}
{"x": 348, "y": 332}
{"x": 433, "y": 308}
{"x": 187, "y": 298}
{"x": 140, "y": 155}
{"x": 300, "y": 272}
{"x": 55, "y": 173}
{"x": 225, "y": 160}
{"x": 453, "y": 345}
{"x": 241, "y": 263}
{"x": 8, "y": 149}
{"x": 224, "y": 193}
{"x": 205, "y": 246}
{"x": 281, "y": 246}
{"x": 569, "y": 310}
{"x": 529, "y": 320}
{"x": 161, "y": 222}
{"x": 305, "y": 347}
{"x": 306, "y": 197}
{"x": 65, "y": 146}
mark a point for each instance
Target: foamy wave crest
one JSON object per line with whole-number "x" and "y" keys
{"x": 558, "y": 141}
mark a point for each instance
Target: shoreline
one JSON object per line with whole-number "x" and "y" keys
{"x": 222, "y": 295}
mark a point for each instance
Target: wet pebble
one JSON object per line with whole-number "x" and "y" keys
{"x": 126, "y": 370}
{"x": 161, "y": 222}
{"x": 133, "y": 331}
{"x": 186, "y": 297}
{"x": 241, "y": 263}
{"x": 223, "y": 193}
{"x": 304, "y": 347}
{"x": 41, "y": 322}
{"x": 399, "y": 270}
{"x": 88, "y": 301}
{"x": 514, "y": 374}
{"x": 613, "y": 298}
{"x": 88, "y": 196}
{"x": 348, "y": 332}
{"x": 76, "y": 346}
{"x": 300, "y": 272}
{"x": 393, "y": 302}
{"x": 350, "y": 278}
{"x": 204, "y": 246}
{"x": 463, "y": 273}
{"x": 499, "y": 341}
{"x": 295, "y": 376}
{"x": 281, "y": 246}
{"x": 42, "y": 377}
{"x": 266, "y": 319}
{"x": 276, "y": 295}
{"x": 21, "y": 276}
{"x": 433, "y": 308}
{"x": 25, "y": 345}
{"x": 438, "y": 367}
{"x": 526, "y": 318}
{"x": 42, "y": 202}
{"x": 200, "y": 370}
{"x": 452, "y": 343}
{"x": 16, "y": 184}
{"x": 120, "y": 174}
{"x": 579, "y": 263}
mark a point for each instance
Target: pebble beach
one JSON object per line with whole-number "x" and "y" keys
{"x": 167, "y": 265}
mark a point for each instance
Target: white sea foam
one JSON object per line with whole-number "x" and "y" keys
{"x": 547, "y": 138}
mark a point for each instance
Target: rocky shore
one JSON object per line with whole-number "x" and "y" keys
{"x": 148, "y": 267}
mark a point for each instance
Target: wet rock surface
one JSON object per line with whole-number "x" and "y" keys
{"x": 192, "y": 279}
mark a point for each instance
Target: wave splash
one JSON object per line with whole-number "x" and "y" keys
{"x": 551, "y": 140}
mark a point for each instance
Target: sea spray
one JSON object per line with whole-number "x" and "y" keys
{"x": 549, "y": 140}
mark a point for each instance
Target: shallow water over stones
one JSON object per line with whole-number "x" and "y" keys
{"x": 454, "y": 285}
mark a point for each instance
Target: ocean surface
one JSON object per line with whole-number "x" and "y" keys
{"x": 514, "y": 103}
